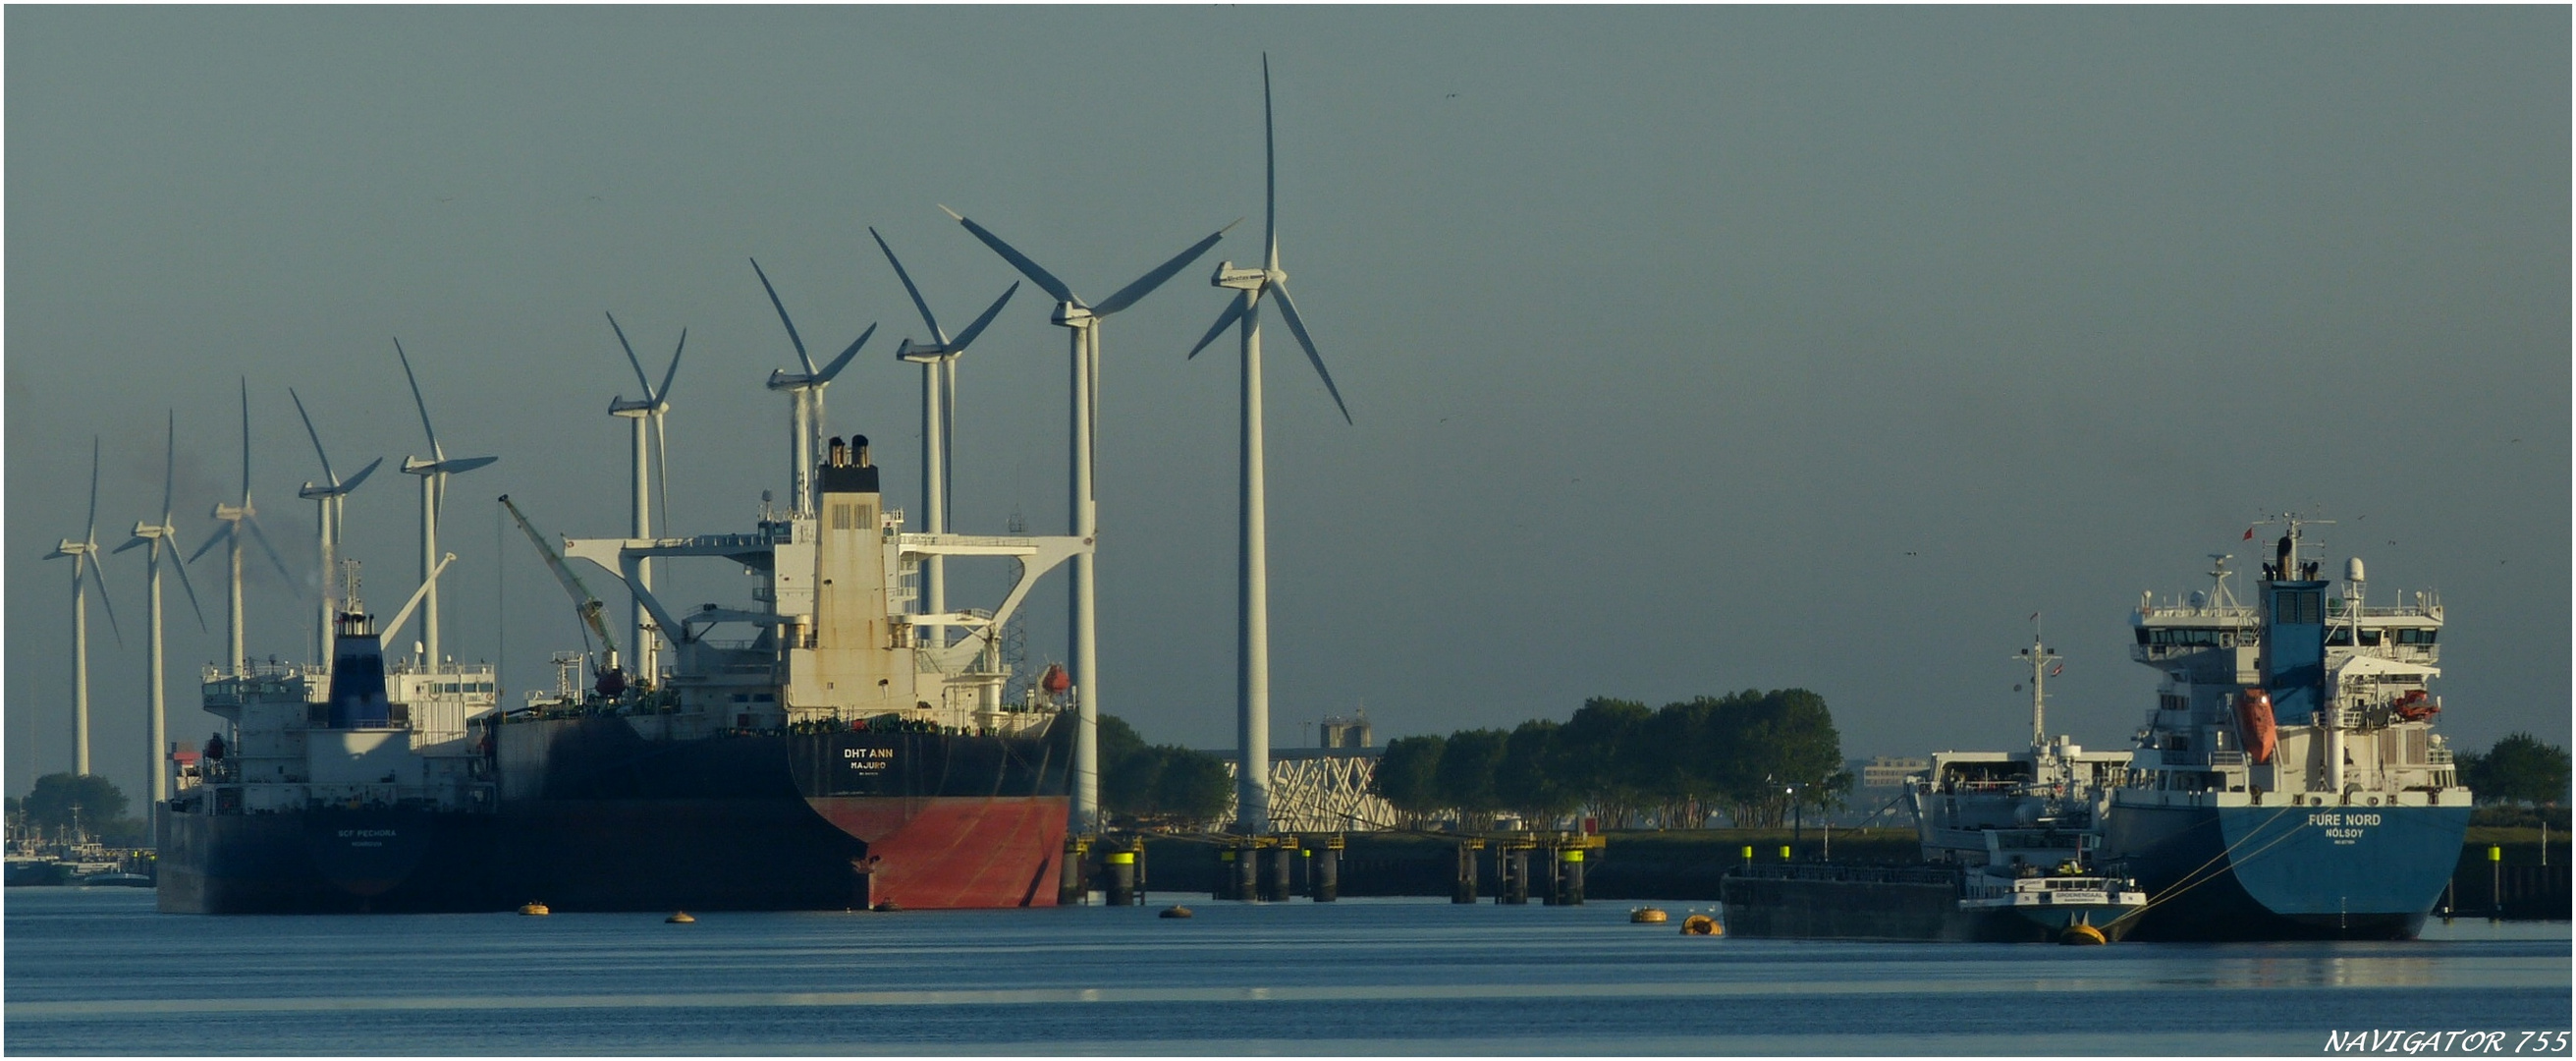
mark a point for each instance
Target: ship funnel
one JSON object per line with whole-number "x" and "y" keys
{"x": 859, "y": 450}
{"x": 2281, "y": 560}
{"x": 838, "y": 456}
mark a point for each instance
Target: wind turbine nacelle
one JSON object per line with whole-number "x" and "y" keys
{"x": 417, "y": 466}
{"x": 782, "y": 380}
{"x": 623, "y": 406}
{"x": 1227, "y": 276}
{"x": 1071, "y": 315}
{"x": 921, "y": 353}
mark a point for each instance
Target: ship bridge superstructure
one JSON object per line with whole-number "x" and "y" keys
{"x": 2311, "y": 691}
{"x": 832, "y": 637}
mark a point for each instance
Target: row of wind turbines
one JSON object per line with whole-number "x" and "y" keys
{"x": 1251, "y": 286}
{"x": 239, "y": 526}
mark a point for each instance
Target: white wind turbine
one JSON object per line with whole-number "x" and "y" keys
{"x": 804, "y": 400}
{"x": 85, "y": 570}
{"x": 235, "y": 518}
{"x": 1083, "y": 319}
{"x": 153, "y": 536}
{"x": 1252, "y": 647}
{"x": 938, "y": 361}
{"x": 330, "y": 506}
{"x": 656, "y": 402}
{"x": 433, "y": 473}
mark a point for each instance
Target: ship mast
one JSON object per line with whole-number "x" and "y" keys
{"x": 2040, "y": 657}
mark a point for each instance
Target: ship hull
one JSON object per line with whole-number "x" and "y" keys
{"x": 595, "y": 814}
{"x": 2237, "y": 873}
{"x": 328, "y": 860}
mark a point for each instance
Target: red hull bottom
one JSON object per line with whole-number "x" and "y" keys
{"x": 956, "y": 852}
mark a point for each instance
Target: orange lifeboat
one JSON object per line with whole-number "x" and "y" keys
{"x": 2416, "y": 706}
{"x": 2254, "y": 720}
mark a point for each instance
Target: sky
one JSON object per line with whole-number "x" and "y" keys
{"x": 1687, "y": 350}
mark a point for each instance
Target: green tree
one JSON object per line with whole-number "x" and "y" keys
{"x": 1191, "y": 786}
{"x": 52, "y": 804}
{"x": 1161, "y": 783}
{"x": 1599, "y": 747}
{"x": 1468, "y": 762}
{"x": 2518, "y": 769}
{"x": 1530, "y": 780}
{"x": 1774, "y": 742}
{"x": 1407, "y": 775}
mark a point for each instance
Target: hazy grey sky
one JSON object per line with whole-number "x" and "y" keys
{"x": 1690, "y": 349}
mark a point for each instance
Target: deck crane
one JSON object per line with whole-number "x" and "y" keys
{"x": 609, "y": 679}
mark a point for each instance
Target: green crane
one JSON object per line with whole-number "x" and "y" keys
{"x": 610, "y": 680}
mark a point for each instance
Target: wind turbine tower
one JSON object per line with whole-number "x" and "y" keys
{"x": 1252, "y": 647}
{"x": 85, "y": 571}
{"x": 433, "y": 471}
{"x": 804, "y": 401}
{"x": 1082, "y": 320}
{"x": 330, "y": 504}
{"x": 938, "y": 361}
{"x": 152, "y": 537}
{"x": 656, "y": 402}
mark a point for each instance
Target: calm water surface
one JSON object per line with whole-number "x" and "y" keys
{"x": 96, "y": 971}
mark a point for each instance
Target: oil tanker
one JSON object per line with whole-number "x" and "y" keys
{"x": 852, "y": 752}
{"x": 2289, "y": 783}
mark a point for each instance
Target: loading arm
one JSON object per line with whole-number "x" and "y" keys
{"x": 583, "y": 602}
{"x": 395, "y": 627}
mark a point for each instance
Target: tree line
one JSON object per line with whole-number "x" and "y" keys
{"x": 2517, "y": 769}
{"x": 1752, "y": 755}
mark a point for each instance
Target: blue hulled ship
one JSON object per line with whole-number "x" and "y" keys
{"x": 2289, "y": 783}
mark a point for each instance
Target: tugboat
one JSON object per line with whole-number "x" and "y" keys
{"x": 2010, "y": 843}
{"x": 2289, "y": 783}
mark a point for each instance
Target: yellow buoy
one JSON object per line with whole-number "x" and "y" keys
{"x": 534, "y": 910}
{"x": 1645, "y": 916}
{"x": 1701, "y": 925}
{"x": 2081, "y": 936}
{"x": 681, "y": 918}
{"x": 1177, "y": 911}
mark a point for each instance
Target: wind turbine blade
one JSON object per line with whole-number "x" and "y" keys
{"x": 463, "y": 464}
{"x": 92, "y": 533}
{"x": 1288, "y": 309}
{"x": 334, "y": 480}
{"x": 261, "y": 537}
{"x": 640, "y": 377}
{"x": 212, "y": 540}
{"x": 169, "y": 466}
{"x": 435, "y": 453}
{"x": 1036, "y": 273}
{"x": 182, "y": 569}
{"x": 927, "y": 320}
{"x": 967, "y": 337}
{"x": 98, "y": 577}
{"x": 782, "y": 317}
{"x": 1146, "y": 284}
{"x": 245, "y": 396}
{"x": 662, "y": 466}
{"x": 1233, "y": 312}
{"x": 1269, "y": 170}
{"x": 130, "y": 543}
{"x": 663, "y": 393}
{"x": 361, "y": 477}
{"x": 835, "y": 367}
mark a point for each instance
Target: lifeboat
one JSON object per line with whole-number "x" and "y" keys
{"x": 2254, "y": 720}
